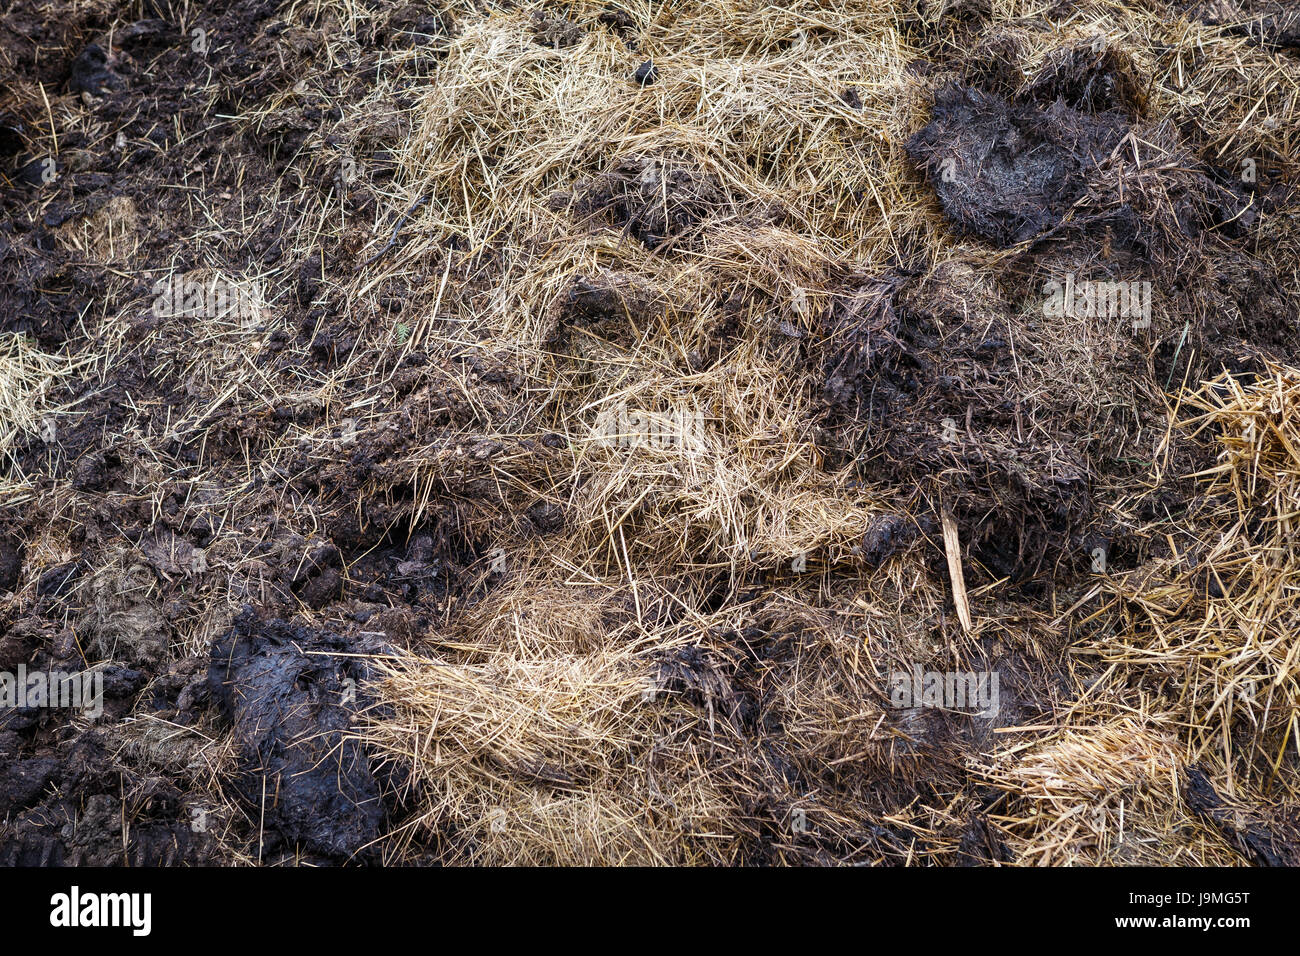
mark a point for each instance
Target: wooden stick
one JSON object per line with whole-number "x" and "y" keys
{"x": 952, "y": 548}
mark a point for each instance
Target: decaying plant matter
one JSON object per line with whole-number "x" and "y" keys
{"x": 568, "y": 456}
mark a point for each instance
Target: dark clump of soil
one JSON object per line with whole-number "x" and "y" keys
{"x": 614, "y": 306}
{"x": 1090, "y": 78}
{"x": 698, "y": 676}
{"x": 653, "y": 198}
{"x": 547, "y": 517}
{"x": 920, "y": 372}
{"x": 992, "y": 64}
{"x": 1008, "y": 172}
{"x": 555, "y": 32}
{"x": 91, "y": 72}
{"x": 23, "y": 781}
{"x": 290, "y": 703}
{"x": 11, "y": 563}
{"x": 67, "y": 807}
{"x": 887, "y": 535}
{"x": 57, "y": 580}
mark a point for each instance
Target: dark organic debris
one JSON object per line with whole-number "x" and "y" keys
{"x": 23, "y": 781}
{"x": 887, "y": 535}
{"x": 57, "y": 580}
{"x": 612, "y": 299}
{"x": 289, "y": 702}
{"x": 1259, "y": 842}
{"x": 980, "y": 844}
{"x": 1089, "y": 77}
{"x": 654, "y": 198}
{"x": 701, "y": 678}
{"x": 1005, "y": 172}
{"x": 11, "y": 563}
{"x": 555, "y": 32}
{"x": 546, "y": 516}
{"x": 917, "y": 370}
{"x": 1274, "y": 23}
{"x": 92, "y": 72}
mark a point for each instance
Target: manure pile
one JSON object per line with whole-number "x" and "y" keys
{"x": 471, "y": 432}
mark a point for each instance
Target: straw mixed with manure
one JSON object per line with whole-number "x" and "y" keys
{"x": 573, "y": 432}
